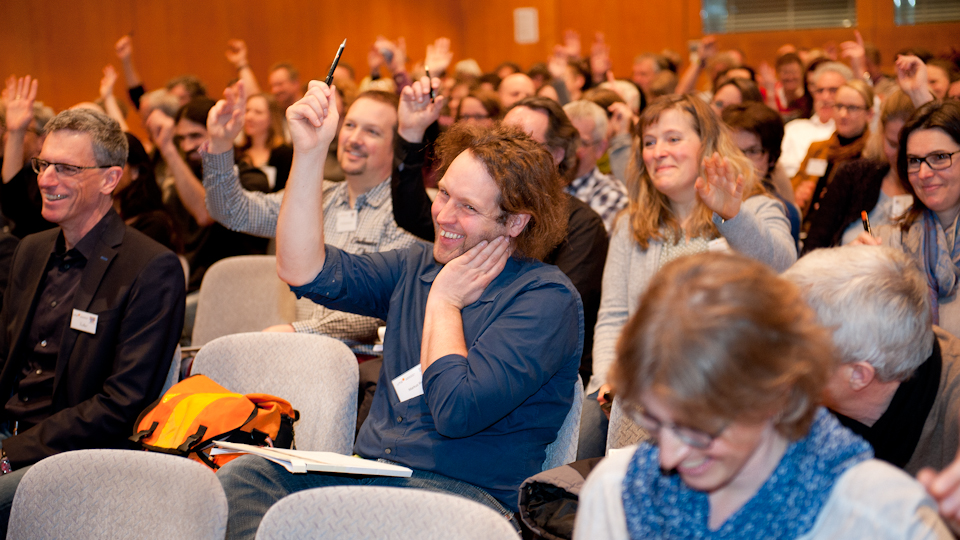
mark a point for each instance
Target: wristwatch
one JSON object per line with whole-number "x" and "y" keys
{"x": 5, "y": 466}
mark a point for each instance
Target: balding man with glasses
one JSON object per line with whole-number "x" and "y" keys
{"x": 93, "y": 312}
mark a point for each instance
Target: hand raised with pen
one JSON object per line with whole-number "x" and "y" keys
{"x": 722, "y": 190}
{"x": 416, "y": 112}
{"x": 313, "y": 119}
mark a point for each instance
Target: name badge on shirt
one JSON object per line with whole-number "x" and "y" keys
{"x": 410, "y": 384}
{"x": 816, "y": 167}
{"x": 900, "y": 205}
{"x": 346, "y": 220}
{"x": 84, "y": 322}
{"x": 718, "y": 245}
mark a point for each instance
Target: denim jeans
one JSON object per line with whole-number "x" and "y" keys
{"x": 254, "y": 484}
{"x": 593, "y": 429}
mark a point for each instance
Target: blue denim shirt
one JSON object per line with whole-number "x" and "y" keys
{"x": 486, "y": 418}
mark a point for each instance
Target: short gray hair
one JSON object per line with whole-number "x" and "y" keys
{"x": 161, "y": 99}
{"x": 834, "y": 67}
{"x": 110, "y": 145}
{"x": 588, "y": 109}
{"x": 876, "y": 302}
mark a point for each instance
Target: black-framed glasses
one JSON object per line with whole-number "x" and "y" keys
{"x": 696, "y": 438}
{"x": 849, "y": 108}
{"x": 937, "y": 161}
{"x": 63, "y": 169}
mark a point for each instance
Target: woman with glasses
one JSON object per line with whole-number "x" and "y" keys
{"x": 723, "y": 364}
{"x": 870, "y": 184}
{"x": 929, "y": 159}
{"x": 851, "y": 113}
{"x": 480, "y": 107}
{"x": 691, "y": 191}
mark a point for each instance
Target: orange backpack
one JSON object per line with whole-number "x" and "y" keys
{"x": 197, "y": 411}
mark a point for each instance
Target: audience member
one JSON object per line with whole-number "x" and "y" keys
{"x": 940, "y": 75}
{"x": 784, "y": 93}
{"x": 799, "y": 134}
{"x": 263, "y": 146}
{"x": 138, "y": 201}
{"x": 692, "y": 191}
{"x": 605, "y": 194}
{"x": 870, "y": 184}
{"x": 735, "y": 91}
{"x": 358, "y": 212}
{"x": 724, "y": 365}
{"x": 479, "y": 107}
{"x": 184, "y": 87}
{"x": 929, "y": 143}
{"x": 852, "y": 110}
{"x": 513, "y": 88}
{"x": 645, "y": 69}
{"x": 491, "y": 400}
{"x": 284, "y": 81}
{"x": 126, "y": 293}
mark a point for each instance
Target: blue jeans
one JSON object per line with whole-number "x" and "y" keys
{"x": 254, "y": 484}
{"x": 593, "y": 429}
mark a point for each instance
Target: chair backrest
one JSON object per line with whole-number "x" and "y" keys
{"x": 623, "y": 431}
{"x": 564, "y": 449}
{"x": 241, "y": 294}
{"x": 318, "y": 375}
{"x": 173, "y": 375}
{"x": 362, "y": 512}
{"x": 105, "y": 494}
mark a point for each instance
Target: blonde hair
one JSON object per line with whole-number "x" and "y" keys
{"x": 649, "y": 210}
{"x": 897, "y": 106}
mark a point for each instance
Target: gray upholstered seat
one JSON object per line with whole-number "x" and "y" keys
{"x": 623, "y": 431}
{"x": 241, "y": 294}
{"x": 318, "y": 375}
{"x": 364, "y": 512}
{"x": 108, "y": 494}
{"x": 564, "y": 449}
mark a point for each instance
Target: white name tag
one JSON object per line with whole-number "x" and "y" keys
{"x": 900, "y": 205}
{"x": 410, "y": 384}
{"x": 718, "y": 245}
{"x": 816, "y": 167}
{"x": 346, "y": 220}
{"x": 84, "y": 322}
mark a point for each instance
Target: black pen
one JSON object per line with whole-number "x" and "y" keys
{"x": 430, "y": 83}
{"x": 866, "y": 222}
{"x": 336, "y": 60}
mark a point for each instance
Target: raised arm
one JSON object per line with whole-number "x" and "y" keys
{"x": 706, "y": 49}
{"x": 912, "y": 77}
{"x": 313, "y": 125}
{"x": 21, "y": 94}
{"x": 124, "y": 49}
{"x": 237, "y": 55}
{"x": 109, "y": 101}
{"x": 188, "y": 186}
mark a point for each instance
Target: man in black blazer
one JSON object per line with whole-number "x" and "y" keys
{"x": 93, "y": 311}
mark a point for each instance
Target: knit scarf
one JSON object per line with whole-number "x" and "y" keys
{"x": 926, "y": 242}
{"x": 660, "y": 505}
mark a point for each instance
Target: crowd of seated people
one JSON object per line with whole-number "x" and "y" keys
{"x": 513, "y": 230}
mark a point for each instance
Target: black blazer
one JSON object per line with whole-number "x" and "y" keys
{"x": 102, "y": 381}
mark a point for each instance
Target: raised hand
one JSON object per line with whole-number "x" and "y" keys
{"x": 21, "y": 94}
{"x": 439, "y": 56}
{"x": 226, "y": 118}
{"x": 416, "y": 112}
{"x": 313, "y": 119}
{"x": 707, "y": 48}
{"x": 462, "y": 281}
{"x": 395, "y": 54}
{"x": 722, "y": 190}
{"x": 107, "y": 82}
{"x": 124, "y": 48}
{"x": 237, "y": 53}
{"x": 161, "y": 128}
{"x": 912, "y": 78}
{"x": 621, "y": 119}
{"x": 600, "y": 64}
{"x": 571, "y": 44}
{"x": 855, "y": 52}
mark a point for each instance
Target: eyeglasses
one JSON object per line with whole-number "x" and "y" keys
{"x": 849, "y": 108}
{"x": 696, "y": 438}
{"x": 63, "y": 169}
{"x": 937, "y": 161}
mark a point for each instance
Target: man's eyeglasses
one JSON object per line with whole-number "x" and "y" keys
{"x": 849, "y": 108}
{"x": 936, "y": 161}
{"x": 63, "y": 169}
{"x": 691, "y": 437}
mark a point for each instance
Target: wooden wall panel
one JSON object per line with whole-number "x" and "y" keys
{"x": 65, "y": 43}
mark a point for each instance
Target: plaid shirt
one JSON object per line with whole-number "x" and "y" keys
{"x": 256, "y": 213}
{"x": 604, "y": 193}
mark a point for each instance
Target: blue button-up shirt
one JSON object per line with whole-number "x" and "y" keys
{"x": 486, "y": 418}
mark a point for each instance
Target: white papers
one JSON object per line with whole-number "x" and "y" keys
{"x": 301, "y": 461}
{"x": 526, "y": 26}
